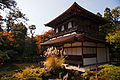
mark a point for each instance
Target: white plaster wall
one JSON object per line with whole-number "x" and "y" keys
{"x": 67, "y": 45}
{"x": 77, "y": 44}
{"x": 101, "y": 55}
{"x": 89, "y": 44}
{"x": 69, "y": 51}
{"x": 89, "y": 50}
{"x": 100, "y": 45}
{"x": 79, "y": 51}
{"x": 72, "y": 51}
{"x": 87, "y": 61}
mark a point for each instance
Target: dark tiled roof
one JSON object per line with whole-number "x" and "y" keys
{"x": 60, "y": 40}
{"x": 69, "y": 39}
{"x": 75, "y": 9}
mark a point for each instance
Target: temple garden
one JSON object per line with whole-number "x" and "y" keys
{"x": 80, "y": 45}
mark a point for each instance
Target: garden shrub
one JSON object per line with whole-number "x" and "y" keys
{"x": 7, "y": 77}
{"x": 53, "y": 62}
{"x": 7, "y": 55}
{"x": 52, "y": 67}
{"x": 109, "y": 72}
{"x": 30, "y": 72}
{"x": 106, "y": 72}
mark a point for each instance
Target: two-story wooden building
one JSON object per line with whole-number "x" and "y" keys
{"x": 77, "y": 32}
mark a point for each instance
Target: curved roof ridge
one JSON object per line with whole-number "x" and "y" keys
{"x": 74, "y": 6}
{"x": 62, "y": 13}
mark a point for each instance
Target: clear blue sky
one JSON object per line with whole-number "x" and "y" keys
{"x": 40, "y": 12}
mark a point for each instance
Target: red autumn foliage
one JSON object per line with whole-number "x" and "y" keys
{"x": 7, "y": 36}
{"x": 44, "y": 37}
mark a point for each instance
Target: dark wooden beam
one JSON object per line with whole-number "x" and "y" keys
{"x": 89, "y": 55}
{"x": 84, "y": 47}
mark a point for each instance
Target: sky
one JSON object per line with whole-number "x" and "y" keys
{"x": 40, "y": 12}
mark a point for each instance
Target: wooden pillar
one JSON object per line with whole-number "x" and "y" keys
{"x": 96, "y": 61}
{"x": 96, "y": 58}
{"x": 82, "y": 54}
{"x": 106, "y": 54}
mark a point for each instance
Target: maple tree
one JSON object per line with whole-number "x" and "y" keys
{"x": 42, "y": 38}
{"x": 12, "y": 28}
{"x": 6, "y": 45}
{"x": 6, "y": 40}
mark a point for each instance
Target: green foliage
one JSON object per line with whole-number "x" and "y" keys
{"x": 13, "y": 20}
{"x": 4, "y": 55}
{"x": 30, "y": 72}
{"x": 37, "y": 72}
{"x": 87, "y": 74}
{"x": 114, "y": 38}
{"x": 8, "y": 54}
{"x": 116, "y": 14}
{"x": 106, "y": 28}
{"x": 19, "y": 31}
{"x": 109, "y": 72}
{"x": 52, "y": 66}
{"x": 12, "y": 14}
{"x": 106, "y": 72}
{"x": 108, "y": 14}
{"x": 112, "y": 29}
{"x": 30, "y": 47}
{"x": 11, "y": 53}
{"x": 113, "y": 16}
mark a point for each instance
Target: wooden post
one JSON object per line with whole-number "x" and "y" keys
{"x": 96, "y": 56}
{"x": 106, "y": 54}
{"x": 82, "y": 53}
{"x": 96, "y": 61}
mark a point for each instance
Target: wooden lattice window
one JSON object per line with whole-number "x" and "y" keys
{"x": 56, "y": 30}
{"x": 62, "y": 28}
{"x": 69, "y": 25}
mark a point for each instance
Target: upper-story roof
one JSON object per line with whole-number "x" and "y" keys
{"x": 74, "y": 10}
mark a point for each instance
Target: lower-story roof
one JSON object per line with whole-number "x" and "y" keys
{"x": 69, "y": 39}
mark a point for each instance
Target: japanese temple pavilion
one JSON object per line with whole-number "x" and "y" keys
{"x": 77, "y": 33}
